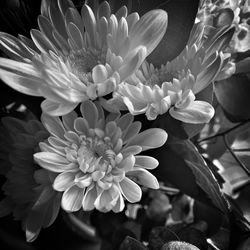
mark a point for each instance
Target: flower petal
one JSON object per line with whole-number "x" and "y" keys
{"x": 150, "y": 138}
{"x": 53, "y": 125}
{"x": 57, "y": 109}
{"x": 130, "y": 190}
{"x": 89, "y": 199}
{"x": 144, "y": 178}
{"x": 63, "y": 181}
{"x": 144, "y": 161}
{"x": 149, "y": 30}
{"x": 107, "y": 199}
{"x": 72, "y": 199}
{"x": 197, "y": 112}
{"x": 53, "y": 162}
{"x": 90, "y": 113}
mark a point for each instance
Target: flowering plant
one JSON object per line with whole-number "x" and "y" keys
{"x": 128, "y": 122}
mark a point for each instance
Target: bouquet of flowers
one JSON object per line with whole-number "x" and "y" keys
{"x": 127, "y": 121}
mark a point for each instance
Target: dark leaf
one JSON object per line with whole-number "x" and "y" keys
{"x": 233, "y": 95}
{"x": 159, "y": 236}
{"x": 183, "y": 166}
{"x": 132, "y": 244}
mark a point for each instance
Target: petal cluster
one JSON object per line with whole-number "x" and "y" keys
{"x": 28, "y": 190}
{"x": 76, "y": 56}
{"x": 96, "y": 158}
{"x": 173, "y": 86}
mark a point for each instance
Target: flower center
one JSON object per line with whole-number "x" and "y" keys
{"x": 82, "y": 62}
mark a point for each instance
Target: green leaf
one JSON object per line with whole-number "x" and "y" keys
{"x": 183, "y": 166}
{"x": 233, "y": 95}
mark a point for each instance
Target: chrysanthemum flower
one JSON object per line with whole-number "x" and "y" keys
{"x": 172, "y": 87}
{"x": 96, "y": 158}
{"x": 74, "y": 57}
{"x": 28, "y": 190}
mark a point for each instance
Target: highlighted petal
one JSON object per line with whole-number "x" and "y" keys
{"x": 144, "y": 178}
{"x": 99, "y": 73}
{"x": 72, "y": 199}
{"x": 144, "y": 161}
{"x": 150, "y": 138}
{"x": 197, "y": 112}
{"x": 63, "y": 181}
{"x": 53, "y": 162}
{"x": 149, "y": 30}
{"x": 25, "y": 84}
{"x": 89, "y": 199}
{"x": 57, "y": 109}
{"x": 130, "y": 190}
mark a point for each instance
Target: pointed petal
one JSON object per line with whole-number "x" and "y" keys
{"x": 130, "y": 190}
{"x": 150, "y": 138}
{"x": 53, "y": 162}
{"x": 25, "y": 84}
{"x": 197, "y": 112}
{"x": 72, "y": 199}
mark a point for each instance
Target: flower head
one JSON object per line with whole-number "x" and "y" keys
{"x": 96, "y": 158}
{"x": 74, "y": 57}
{"x": 28, "y": 188}
{"x": 172, "y": 87}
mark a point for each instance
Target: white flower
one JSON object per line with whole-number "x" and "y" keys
{"x": 74, "y": 57}
{"x": 97, "y": 159}
{"x": 172, "y": 87}
{"x": 29, "y": 195}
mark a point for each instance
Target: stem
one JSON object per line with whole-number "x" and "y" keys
{"x": 235, "y": 156}
{"x": 241, "y": 149}
{"x": 224, "y": 132}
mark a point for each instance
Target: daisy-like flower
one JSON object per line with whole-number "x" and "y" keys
{"x": 74, "y": 57}
{"x": 172, "y": 87}
{"x": 96, "y": 158}
{"x": 28, "y": 190}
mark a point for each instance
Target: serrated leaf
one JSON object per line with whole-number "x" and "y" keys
{"x": 233, "y": 95}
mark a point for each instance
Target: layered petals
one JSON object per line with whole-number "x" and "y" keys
{"x": 76, "y": 56}
{"x": 95, "y": 158}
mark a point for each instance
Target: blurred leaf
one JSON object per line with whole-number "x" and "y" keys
{"x": 211, "y": 216}
{"x": 233, "y": 95}
{"x": 181, "y": 16}
{"x": 183, "y": 166}
{"x": 19, "y": 16}
{"x": 194, "y": 237}
{"x": 159, "y": 236}
{"x": 9, "y": 96}
{"x": 132, "y": 244}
